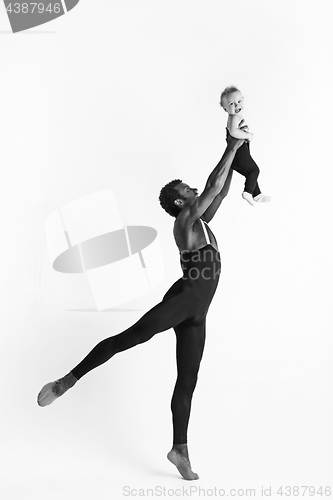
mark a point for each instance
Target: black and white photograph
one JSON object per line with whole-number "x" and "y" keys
{"x": 166, "y": 258}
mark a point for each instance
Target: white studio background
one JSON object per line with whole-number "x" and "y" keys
{"x": 125, "y": 94}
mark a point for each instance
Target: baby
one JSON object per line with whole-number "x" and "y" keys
{"x": 232, "y": 102}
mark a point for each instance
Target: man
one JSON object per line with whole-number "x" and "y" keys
{"x": 184, "y": 306}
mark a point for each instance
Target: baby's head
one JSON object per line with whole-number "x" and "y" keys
{"x": 232, "y": 100}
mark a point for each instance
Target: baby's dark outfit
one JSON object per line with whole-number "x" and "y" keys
{"x": 245, "y": 165}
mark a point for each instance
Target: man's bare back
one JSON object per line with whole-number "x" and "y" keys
{"x": 191, "y": 237}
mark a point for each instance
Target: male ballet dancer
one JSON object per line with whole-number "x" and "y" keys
{"x": 184, "y": 307}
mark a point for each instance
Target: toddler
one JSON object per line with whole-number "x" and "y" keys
{"x": 232, "y": 102}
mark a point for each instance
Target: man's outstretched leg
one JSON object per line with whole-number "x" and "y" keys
{"x": 168, "y": 313}
{"x": 190, "y": 346}
{"x": 54, "y": 390}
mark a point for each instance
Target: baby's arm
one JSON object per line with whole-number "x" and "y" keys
{"x": 236, "y": 132}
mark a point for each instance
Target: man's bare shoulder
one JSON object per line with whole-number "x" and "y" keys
{"x": 183, "y": 230}
{"x": 183, "y": 220}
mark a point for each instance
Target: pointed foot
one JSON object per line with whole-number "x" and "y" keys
{"x": 183, "y": 465}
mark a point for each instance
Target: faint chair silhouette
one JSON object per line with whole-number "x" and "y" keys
{"x": 121, "y": 262}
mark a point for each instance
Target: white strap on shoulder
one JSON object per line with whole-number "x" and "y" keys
{"x": 205, "y": 232}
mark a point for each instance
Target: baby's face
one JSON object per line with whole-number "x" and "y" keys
{"x": 233, "y": 103}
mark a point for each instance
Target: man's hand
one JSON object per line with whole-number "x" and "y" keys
{"x": 243, "y": 125}
{"x": 235, "y": 143}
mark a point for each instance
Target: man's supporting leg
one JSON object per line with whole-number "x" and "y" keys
{"x": 190, "y": 346}
{"x": 168, "y": 313}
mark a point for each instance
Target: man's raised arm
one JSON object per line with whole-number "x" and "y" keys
{"x": 215, "y": 182}
{"x": 223, "y": 167}
{"x": 219, "y": 175}
{"x": 211, "y": 210}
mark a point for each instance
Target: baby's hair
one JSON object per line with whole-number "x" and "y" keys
{"x": 227, "y": 91}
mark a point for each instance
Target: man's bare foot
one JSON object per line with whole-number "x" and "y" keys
{"x": 261, "y": 198}
{"x": 53, "y": 390}
{"x": 248, "y": 197}
{"x": 178, "y": 455}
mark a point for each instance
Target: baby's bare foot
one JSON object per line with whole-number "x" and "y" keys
{"x": 261, "y": 198}
{"x": 248, "y": 197}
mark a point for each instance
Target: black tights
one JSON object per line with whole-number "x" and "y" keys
{"x": 190, "y": 335}
{"x": 190, "y": 346}
{"x": 245, "y": 165}
{"x": 184, "y": 308}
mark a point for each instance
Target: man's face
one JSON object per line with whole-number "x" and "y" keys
{"x": 233, "y": 103}
{"x": 187, "y": 192}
